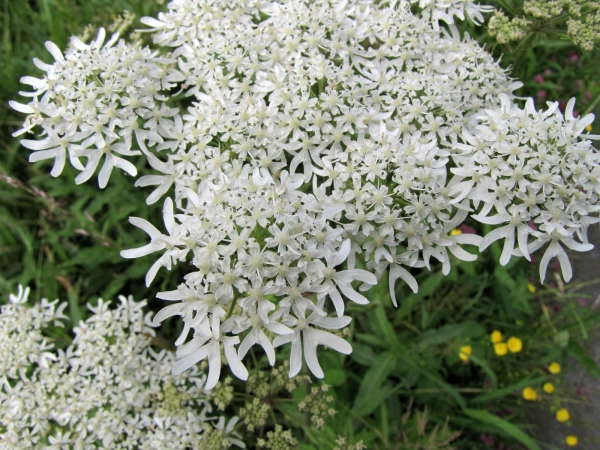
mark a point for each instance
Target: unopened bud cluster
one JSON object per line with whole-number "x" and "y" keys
{"x": 318, "y": 405}
{"x": 505, "y": 29}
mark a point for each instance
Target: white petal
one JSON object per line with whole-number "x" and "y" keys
{"x": 125, "y": 165}
{"x": 149, "y": 180}
{"x": 461, "y": 253}
{"x": 168, "y": 311}
{"x": 141, "y": 251}
{"x": 154, "y": 270}
{"x": 493, "y": 236}
{"x": 188, "y": 361}
{"x": 342, "y": 253}
{"x": 42, "y": 65}
{"x": 332, "y": 341}
{"x": 277, "y": 327}
{"x": 338, "y": 301}
{"x": 357, "y": 274}
{"x": 146, "y": 226}
{"x": 39, "y": 145}
{"x": 170, "y": 295}
{"x": 351, "y": 294}
{"x": 283, "y": 339}
{"x": 565, "y": 264}
{"x": 265, "y": 343}
{"x": 509, "y": 245}
{"x": 234, "y": 361}
{"x": 55, "y": 51}
{"x": 401, "y": 272}
{"x": 490, "y": 220}
{"x": 548, "y": 255}
{"x": 168, "y": 215}
{"x": 184, "y": 334}
{"x": 310, "y": 355}
{"x": 250, "y": 340}
{"x": 522, "y": 235}
{"x": 332, "y": 323}
{"x": 42, "y": 154}
{"x": 106, "y": 171}
{"x": 569, "y": 110}
{"x": 89, "y": 170}
{"x": 296, "y": 355}
{"x": 76, "y": 43}
{"x": 214, "y": 365}
{"x": 25, "y": 109}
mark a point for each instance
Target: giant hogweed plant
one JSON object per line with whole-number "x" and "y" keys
{"x": 305, "y": 150}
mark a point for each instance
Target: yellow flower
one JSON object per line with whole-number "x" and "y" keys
{"x": 455, "y": 232}
{"x": 515, "y": 345}
{"x": 500, "y": 348}
{"x": 571, "y": 441}
{"x": 496, "y": 336}
{"x": 562, "y": 415}
{"x": 464, "y": 352}
{"x": 531, "y": 288}
{"x": 589, "y": 128}
{"x": 530, "y": 394}
{"x": 554, "y": 368}
{"x": 549, "y": 388}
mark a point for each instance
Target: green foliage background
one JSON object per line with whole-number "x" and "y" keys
{"x": 64, "y": 241}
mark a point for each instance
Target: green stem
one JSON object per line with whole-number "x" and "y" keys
{"x": 231, "y": 308}
{"x": 591, "y": 107}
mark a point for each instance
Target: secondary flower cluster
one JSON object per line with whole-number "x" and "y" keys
{"x": 107, "y": 387}
{"x": 309, "y": 145}
{"x": 582, "y": 20}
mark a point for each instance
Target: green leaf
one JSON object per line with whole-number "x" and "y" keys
{"x": 578, "y": 352}
{"x": 508, "y": 390}
{"x": 371, "y": 394}
{"x": 384, "y": 327}
{"x": 486, "y": 369}
{"x": 512, "y": 430}
{"x": 447, "y": 333}
{"x": 562, "y": 338}
{"x": 362, "y": 354}
{"x": 370, "y": 339}
{"x": 335, "y": 377}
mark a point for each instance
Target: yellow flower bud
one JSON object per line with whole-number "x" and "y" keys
{"x": 515, "y": 345}
{"x": 530, "y": 394}
{"x": 554, "y": 368}
{"x": 549, "y": 388}
{"x": 571, "y": 441}
{"x": 500, "y": 348}
{"x": 562, "y": 415}
{"x": 496, "y": 336}
{"x": 531, "y": 288}
{"x": 464, "y": 352}
{"x": 589, "y": 128}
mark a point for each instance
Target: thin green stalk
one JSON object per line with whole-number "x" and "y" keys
{"x": 231, "y": 308}
{"x": 592, "y": 106}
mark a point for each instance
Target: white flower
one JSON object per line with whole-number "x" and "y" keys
{"x": 110, "y": 358}
{"x": 321, "y": 149}
{"x": 335, "y": 282}
{"x": 207, "y": 345}
{"x": 160, "y": 242}
{"x": 308, "y": 338}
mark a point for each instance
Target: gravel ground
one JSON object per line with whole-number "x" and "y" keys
{"x": 581, "y": 391}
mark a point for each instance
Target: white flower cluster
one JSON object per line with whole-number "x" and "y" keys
{"x": 447, "y": 10}
{"x": 108, "y": 389}
{"x": 311, "y": 144}
{"x": 530, "y": 169}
